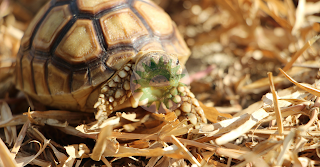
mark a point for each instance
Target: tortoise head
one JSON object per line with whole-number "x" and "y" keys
{"x": 157, "y": 69}
{"x": 156, "y": 78}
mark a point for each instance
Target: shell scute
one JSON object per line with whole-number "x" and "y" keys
{"x": 81, "y": 95}
{"x": 39, "y": 68}
{"x": 65, "y": 101}
{"x": 118, "y": 60}
{"x": 28, "y": 84}
{"x": 152, "y": 45}
{"x": 96, "y": 6}
{"x": 79, "y": 79}
{"x": 182, "y": 49}
{"x": 177, "y": 46}
{"x": 58, "y": 80}
{"x": 80, "y": 44}
{"x": 159, "y": 21}
{"x": 19, "y": 79}
{"x": 122, "y": 27}
{"x": 25, "y": 41}
{"x": 100, "y": 74}
{"x": 56, "y": 19}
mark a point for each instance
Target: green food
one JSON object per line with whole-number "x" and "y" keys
{"x": 159, "y": 83}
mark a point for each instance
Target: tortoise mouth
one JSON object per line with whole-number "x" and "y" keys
{"x": 159, "y": 81}
{"x": 156, "y": 77}
{"x": 157, "y": 68}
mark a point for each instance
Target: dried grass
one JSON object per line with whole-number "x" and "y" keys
{"x": 234, "y": 44}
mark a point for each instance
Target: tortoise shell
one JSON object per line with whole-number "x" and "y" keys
{"x": 73, "y": 46}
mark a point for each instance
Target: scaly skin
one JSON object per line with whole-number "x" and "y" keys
{"x": 156, "y": 82}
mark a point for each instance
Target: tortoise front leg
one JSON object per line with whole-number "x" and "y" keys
{"x": 190, "y": 107}
{"x": 115, "y": 92}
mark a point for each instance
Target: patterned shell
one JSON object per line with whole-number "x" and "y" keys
{"x": 73, "y": 46}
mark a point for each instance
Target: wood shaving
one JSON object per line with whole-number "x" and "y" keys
{"x": 254, "y": 120}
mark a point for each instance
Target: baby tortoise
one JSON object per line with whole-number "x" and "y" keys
{"x": 81, "y": 54}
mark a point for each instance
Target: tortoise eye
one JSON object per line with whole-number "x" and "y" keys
{"x": 177, "y": 63}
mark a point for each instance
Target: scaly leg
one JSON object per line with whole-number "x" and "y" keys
{"x": 114, "y": 92}
{"x": 190, "y": 107}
